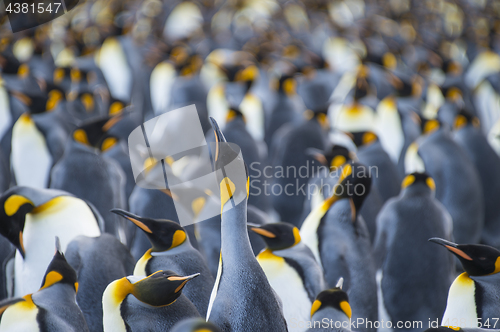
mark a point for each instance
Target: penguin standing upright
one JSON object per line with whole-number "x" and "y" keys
{"x": 331, "y": 311}
{"x": 86, "y": 173}
{"x": 148, "y": 303}
{"x": 36, "y": 139}
{"x": 237, "y": 133}
{"x": 371, "y": 153}
{"x": 340, "y": 241}
{"x": 289, "y": 151}
{"x": 291, "y": 269}
{"x": 94, "y": 274}
{"x": 472, "y": 140}
{"x": 403, "y": 227}
{"x": 473, "y": 296}
{"x": 438, "y": 155}
{"x": 242, "y": 299}
{"x": 30, "y": 218}
{"x": 287, "y": 109}
{"x": 52, "y": 308}
{"x": 171, "y": 250}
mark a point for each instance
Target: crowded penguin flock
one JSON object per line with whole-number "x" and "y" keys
{"x": 365, "y": 135}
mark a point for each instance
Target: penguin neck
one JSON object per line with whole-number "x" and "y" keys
{"x": 417, "y": 190}
{"x": 331, "y": 314}
{"x": 234, "y": 234}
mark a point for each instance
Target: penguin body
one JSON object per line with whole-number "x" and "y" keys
{"x": 114, "y": 262}
{"x": 36, "y": 139}
{"x": 292, "y": 153}
{"x": 148, "y": 303}
{"x": 339, "y": 238}
{"x": 372, "y": 154}
{"x": 472, "y": 296}
{"x": 291, "y": 269}
{"x": 32, "y": 217}
{"x": 86, "y": 173}
{"x": 331, "y": 311}
{"x": 171, "y": 250}
{"x": 242, "y": 299}
{"x": 403, "y": 227}
{"x": 445, "y": 161}
{"x": 288, "y": 108}
{"x": 237, "y": 133}
{"x": 53, "y": 308}
{"x": 487, "y": 162}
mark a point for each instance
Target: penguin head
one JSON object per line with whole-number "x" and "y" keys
{"x": 116, "y": 106}
{"x": 163, "y": 234}
{"x": 287, "y": 85}
{"x": 417, "y": 178}
{"x": 429, "y": 126}
{"x": 354, "y": 184}
{"x": 94, "y": 133}
{"x": 231, "y": 170}
{"x": 453, "y": 94}
{"x": 16, "y": 203}
{"x": 363, "y": 138}
{"x": 55, "y": 96}
{"x": 59, "y": 271}
{"x": 160, "y": 288}
{"x": 278, "y": 236}
{"x": 234, "y": 113}
{"x": 465, "y": 118}
{"x": 476, "y": 259}
{"x": 194, "y": 325}
{"x": 334, "y": 298}
{"x": 334, "y": 158}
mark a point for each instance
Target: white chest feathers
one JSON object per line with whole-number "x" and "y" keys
{"x": 288, "y": 284}
{"x": 20, "y": 317}
{"x": 461, "y": 306}
{"x": 63, "y": 216}
{"x": 29, "y": 148}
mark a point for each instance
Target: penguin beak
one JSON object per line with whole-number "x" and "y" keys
{"x": 133, "y": 218}
{"x": 263, "y": 232}
{"x": 219, "y": 137}
{"x": 453, "y": 247}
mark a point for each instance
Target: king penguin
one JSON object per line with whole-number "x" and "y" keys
{"x": 438, "y": 155}
{"x": 242, "y": 298}
{"x": 94, "y": 275}
{"x": 291, "y": 269}
{"x": 340, "y": 241}
{"x": 473, "y": 296}
{"x": 30, "y": 218}
{"x": 85, "y": 172}
{"x": 331, "y": 311}
{"x": 469, "y": 136}
{"x": 403, "y": 227}
{"x": 194, "y": 325}
{"x": 152, "y": 303}
{"x": 171, "y": 250}
{"x": 372, "y": 154}
{"x": 52, "y": 308}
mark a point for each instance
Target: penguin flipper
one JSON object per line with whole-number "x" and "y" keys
{"x": 5, "y": 304}
{"x": 97, "y": 215}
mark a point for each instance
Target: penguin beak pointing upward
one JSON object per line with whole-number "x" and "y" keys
{"x": 219, "y": 137}
{"x": 453, "y": 247}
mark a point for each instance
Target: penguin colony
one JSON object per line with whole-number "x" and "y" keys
{"x": 368, "y": 133}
